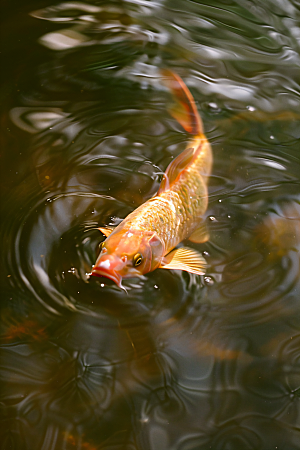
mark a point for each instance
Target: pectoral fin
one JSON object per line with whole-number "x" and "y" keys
{"x": 106, "y": 230}
{"x": 200, "y": 235}
{"x": 185, "y": 259}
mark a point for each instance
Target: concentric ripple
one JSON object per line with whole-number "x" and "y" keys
{"x": 178, "y": 361}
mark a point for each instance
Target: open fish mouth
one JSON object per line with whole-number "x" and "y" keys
{"x": 109, "y": 267}
{"x": 99, "y": 272}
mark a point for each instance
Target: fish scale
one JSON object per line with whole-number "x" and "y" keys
{"x": 175, "y": 213}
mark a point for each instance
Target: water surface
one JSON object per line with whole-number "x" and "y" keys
{"x": 182, "y": 362}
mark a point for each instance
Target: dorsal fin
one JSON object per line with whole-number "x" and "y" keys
{"x": 175, "y": 168}
{"x": 185, "y": 110}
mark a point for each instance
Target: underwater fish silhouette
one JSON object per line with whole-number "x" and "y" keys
{"x": 146, "y": 239}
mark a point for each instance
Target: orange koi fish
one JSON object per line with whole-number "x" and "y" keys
{"x": 146, "y": 238}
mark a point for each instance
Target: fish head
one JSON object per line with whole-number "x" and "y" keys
{"x": 128, "y": 254}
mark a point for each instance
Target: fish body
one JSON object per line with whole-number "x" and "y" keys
{"x": 145, "y": 239}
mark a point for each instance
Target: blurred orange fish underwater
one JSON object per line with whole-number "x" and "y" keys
{"x": 146, "y": 239}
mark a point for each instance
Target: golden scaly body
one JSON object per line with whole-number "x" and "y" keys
{"x": 147, "y": 238}
{"x": 175, "y": 213}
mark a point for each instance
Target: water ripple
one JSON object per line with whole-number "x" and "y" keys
{"x": 182, "y": 361}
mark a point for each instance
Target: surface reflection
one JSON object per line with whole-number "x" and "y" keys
{"x": 181, "y": 361}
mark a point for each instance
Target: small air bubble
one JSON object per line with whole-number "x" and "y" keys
{"x": 155, "y": 286}
{"x": 251, "y": 108}
{"x": 212, "y": 218}
{"x": 209, "y": 281}
{"x": 229, "y": 217}
{"x": 271, "y": 137}
{"x": 102, "y": 284}
{"x": 214, "y": 107}
{"x": 205, "y": 253}
{"x": 220, "y": 201}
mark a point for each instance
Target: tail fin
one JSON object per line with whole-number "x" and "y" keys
{"x": 185, "y": 110}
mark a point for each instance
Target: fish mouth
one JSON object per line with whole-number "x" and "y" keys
{"x": 109, "y": 267}
{"x": 114, "y": 276}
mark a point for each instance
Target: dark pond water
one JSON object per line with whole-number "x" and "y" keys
{"x": 182, "y": 362}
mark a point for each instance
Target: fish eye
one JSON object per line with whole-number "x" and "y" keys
{"x": 137, "y": 259}
{"x": 101, "y": 246}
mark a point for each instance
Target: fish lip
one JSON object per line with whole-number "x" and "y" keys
{"x": 97, "y": 272}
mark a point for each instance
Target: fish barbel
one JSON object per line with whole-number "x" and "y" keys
{"x": 146, "y": 238}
